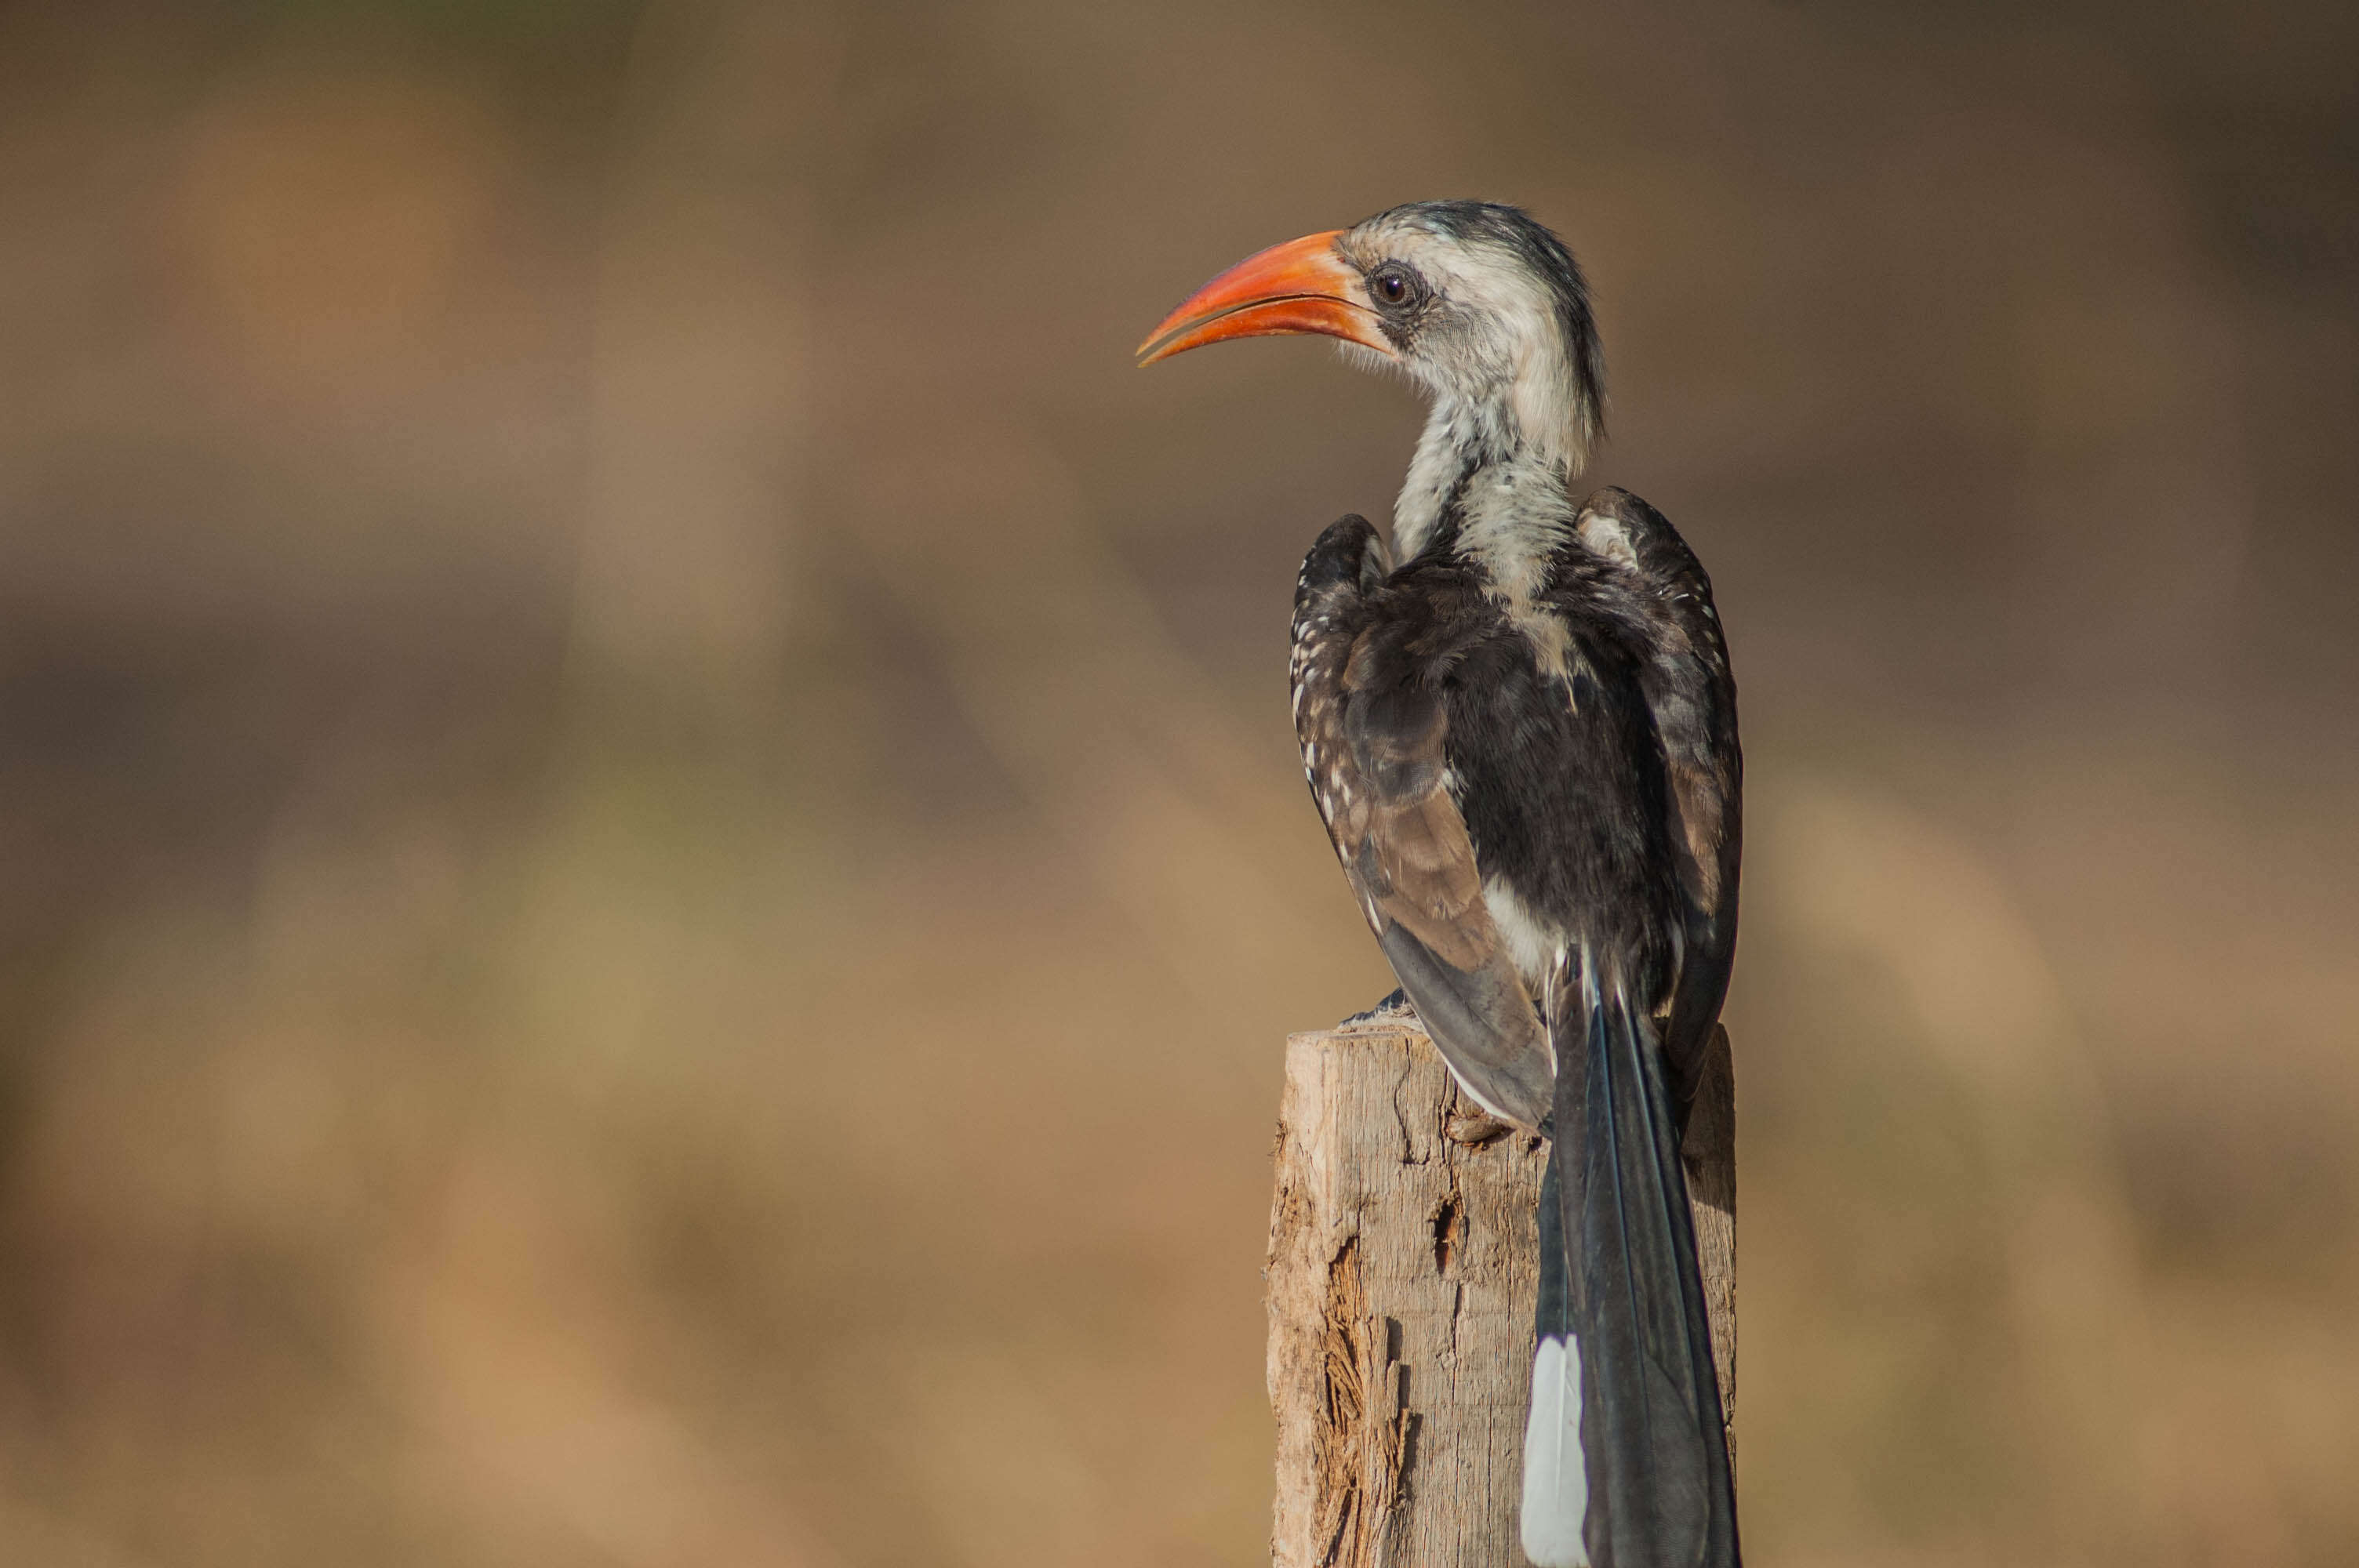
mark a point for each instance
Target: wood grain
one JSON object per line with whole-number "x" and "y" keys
{"x": 1401, "y": 1275}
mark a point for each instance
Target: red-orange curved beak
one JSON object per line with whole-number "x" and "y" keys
{"x": 1300, "y": 287}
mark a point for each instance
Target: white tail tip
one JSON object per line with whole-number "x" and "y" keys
{"x": 1556, "y": 1474}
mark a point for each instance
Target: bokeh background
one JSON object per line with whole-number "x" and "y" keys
{"x": 653, "y": 861}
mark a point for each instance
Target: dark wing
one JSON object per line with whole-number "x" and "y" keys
{"x": 1371, "y": 747}
{"x": 1692, "y": 698}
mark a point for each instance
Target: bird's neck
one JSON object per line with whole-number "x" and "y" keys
{"x": 1480, "y": 490}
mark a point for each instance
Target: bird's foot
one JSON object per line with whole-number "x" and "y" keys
{"x": 1390, "y": 1014}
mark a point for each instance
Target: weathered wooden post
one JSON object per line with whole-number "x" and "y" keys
{"x": 1402, "y": 1270}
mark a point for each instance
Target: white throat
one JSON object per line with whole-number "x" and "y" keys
{"x": 1509, "y": 498}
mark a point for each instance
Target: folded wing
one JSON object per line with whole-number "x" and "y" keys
{"x": 1373, "y": 748}
{"x": 1693, "y": 698}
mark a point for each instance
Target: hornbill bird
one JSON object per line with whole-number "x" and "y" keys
{"x": 1518, "y": 723}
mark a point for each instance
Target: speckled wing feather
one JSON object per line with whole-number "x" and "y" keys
{"x": 1372, "y": 748}
{"x": 1693, "y": 698}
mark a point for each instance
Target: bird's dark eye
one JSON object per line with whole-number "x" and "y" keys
{"x": 1393, "y": 285}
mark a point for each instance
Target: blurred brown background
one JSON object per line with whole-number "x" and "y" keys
{"x": 654, "y": 866}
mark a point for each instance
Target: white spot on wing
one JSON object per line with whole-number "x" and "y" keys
{"x": 1532, "y": 943}
{"x": 1606, "y": 537}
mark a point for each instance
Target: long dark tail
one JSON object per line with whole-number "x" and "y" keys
{"x": 1625, "y": 1464}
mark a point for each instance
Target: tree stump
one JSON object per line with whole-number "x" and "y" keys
{"x": 1403, "y": 1264}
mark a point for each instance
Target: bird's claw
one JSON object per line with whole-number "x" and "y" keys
{"x": 1389, "y": 1013}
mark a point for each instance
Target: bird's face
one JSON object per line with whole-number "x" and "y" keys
{"x": 1476, "y": 302}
